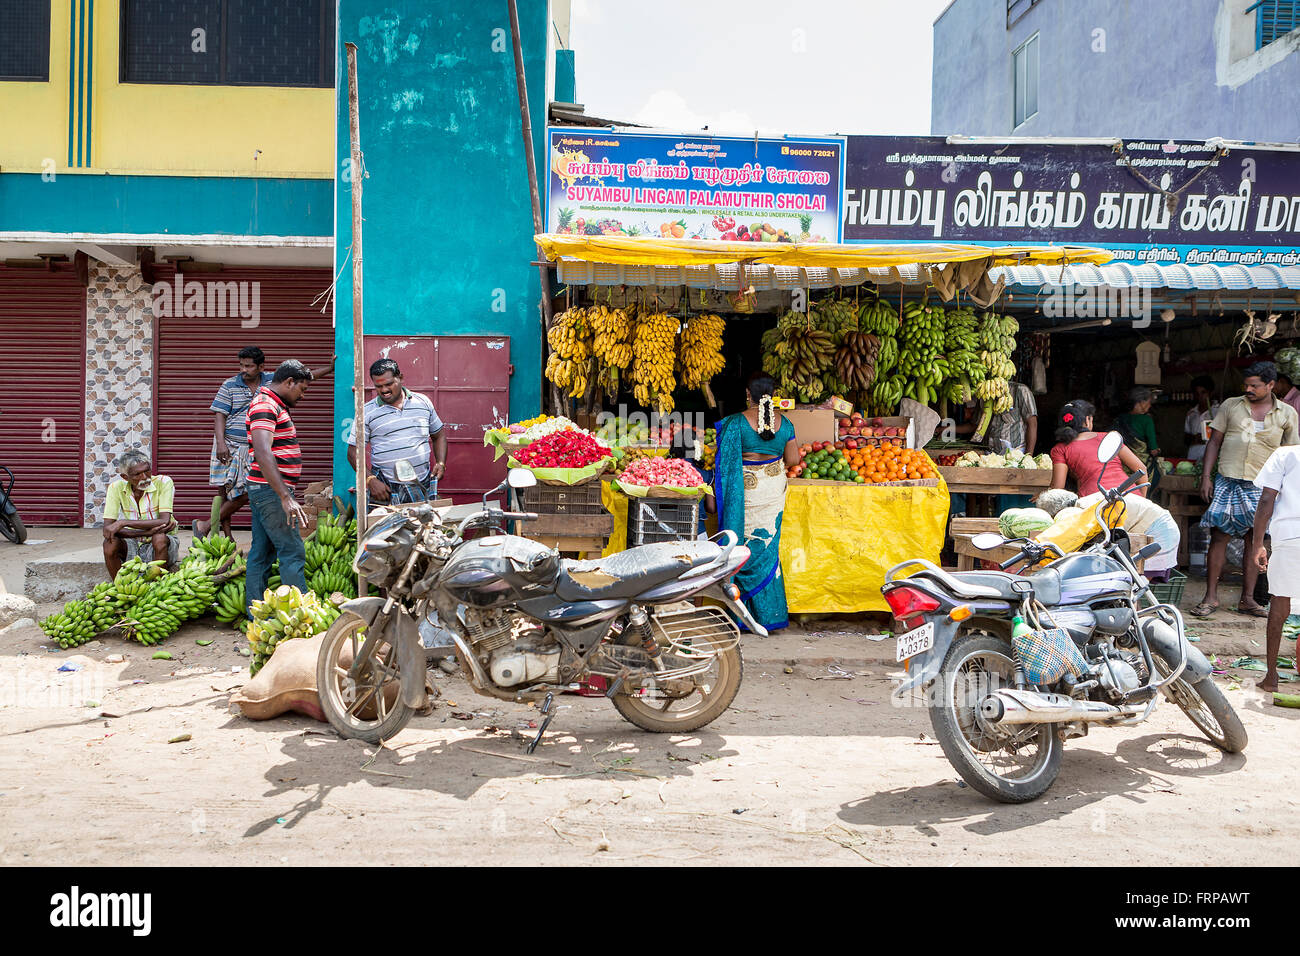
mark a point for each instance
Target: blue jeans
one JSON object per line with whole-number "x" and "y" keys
{"x": 405, "y": 494}
{"x": 272, "y": 538}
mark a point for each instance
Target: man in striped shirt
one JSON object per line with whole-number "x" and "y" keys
{"x": 399, "y": 425}
{"x": 274, "y": 469}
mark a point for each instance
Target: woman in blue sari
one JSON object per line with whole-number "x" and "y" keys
{"x": 755, "y": 447}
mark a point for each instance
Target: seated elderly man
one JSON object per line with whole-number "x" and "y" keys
{"x": 138, "y": 515}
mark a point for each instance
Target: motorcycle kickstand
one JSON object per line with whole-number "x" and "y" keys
{"x": 546, "y": 709}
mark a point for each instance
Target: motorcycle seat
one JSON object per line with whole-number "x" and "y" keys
{"x": 1046, "y": 583}
{"x": 628, "y": 573}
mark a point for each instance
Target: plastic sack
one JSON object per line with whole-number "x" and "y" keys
{"x": 1070, "y": 532}
{"x": 1048, "y": 655}
{"x": 837, "y": 541}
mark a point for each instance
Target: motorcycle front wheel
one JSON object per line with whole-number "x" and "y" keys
{"x": 368, "y": 706}
{"x": 12, "y": 527}
{"x": 663, "y": 713}
{"x": 1206, "y": 707}
{"x": 1011, "y": 765}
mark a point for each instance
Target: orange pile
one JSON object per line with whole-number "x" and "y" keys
{"x": 889, "y": 462}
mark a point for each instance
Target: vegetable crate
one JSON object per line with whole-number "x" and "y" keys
{"x": 571, "y": 510}
{"x": 1171, "y": 591}
{"x": 662, "y": 519}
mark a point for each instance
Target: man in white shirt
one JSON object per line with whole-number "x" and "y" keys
{"x": 1279, "y": 513}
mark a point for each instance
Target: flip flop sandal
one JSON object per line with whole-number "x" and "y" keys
{"x": 1253, "y": 611}
{"x": 1204, "y": 609}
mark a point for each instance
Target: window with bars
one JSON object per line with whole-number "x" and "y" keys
{"x": 228, "y": 42}
{"x": 1024, "y": 71}
{"x": 25, "y": 40}
{"x": 1274, "y": 19}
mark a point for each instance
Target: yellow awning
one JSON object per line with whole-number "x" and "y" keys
{"x": 627, "y": 250}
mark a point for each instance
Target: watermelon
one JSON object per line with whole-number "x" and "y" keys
{"x": 1023, "y": 522}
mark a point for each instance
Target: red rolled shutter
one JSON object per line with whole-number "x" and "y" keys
{"x": 43, "y": 392}
{"x": 195, "y": 355}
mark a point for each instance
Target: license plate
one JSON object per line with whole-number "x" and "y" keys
{"x": 916, "y": 640}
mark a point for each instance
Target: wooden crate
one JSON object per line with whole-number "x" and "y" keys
{"x": 569, "y": 510}
{"x": 996, "y": 481}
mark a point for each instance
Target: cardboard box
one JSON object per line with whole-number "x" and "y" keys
{"x": 811, "y": 423}
{"x": 889, "y": 421}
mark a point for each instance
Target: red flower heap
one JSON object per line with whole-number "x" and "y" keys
{"x": 568, "y": 449}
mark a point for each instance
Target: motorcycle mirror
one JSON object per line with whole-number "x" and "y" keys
{"x": 405, "y": 472}
{"x": 988, "y": 540}
{"x": 521, "y": 478}
{"x": 1109, "y": 447}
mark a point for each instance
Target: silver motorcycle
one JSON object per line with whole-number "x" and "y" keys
{"x": 1088, "y": 616}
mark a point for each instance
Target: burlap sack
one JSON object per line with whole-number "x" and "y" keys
{"x": 287, "y": 683}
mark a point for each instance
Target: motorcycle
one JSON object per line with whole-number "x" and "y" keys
{"x": 525, "y": 624}
{"x": 962, "y": 641}
{"x": 11, "y": 523}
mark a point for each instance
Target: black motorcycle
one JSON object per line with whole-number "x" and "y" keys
{"x": 11, "y": 523}
{"x": 525, "y": 624}
{"x": 974, "y": 641}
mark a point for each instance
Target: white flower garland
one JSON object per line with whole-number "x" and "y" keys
{"x": 766, "y": 416}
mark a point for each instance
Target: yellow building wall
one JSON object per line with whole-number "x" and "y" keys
{"x": 156, "y": 129}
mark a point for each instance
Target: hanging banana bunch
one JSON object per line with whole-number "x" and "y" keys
{"x": 700, "y": 355}
{"x": 570, "y": 338}
{"x": 654, "y": 355}
{"x": 611, "y": 344}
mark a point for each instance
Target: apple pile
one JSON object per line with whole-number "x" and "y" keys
{"x": 669, "y": 472}
{"x": 566, "y": 449}
{"x": 857, "y": 427}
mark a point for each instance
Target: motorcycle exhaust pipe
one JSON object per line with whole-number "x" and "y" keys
{"x": 1009, "y": 706}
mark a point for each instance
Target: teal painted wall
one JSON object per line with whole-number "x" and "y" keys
{"x": 181, "y": 205}
{"x": 448, "y": 216}
{"x": 566, "y": 79}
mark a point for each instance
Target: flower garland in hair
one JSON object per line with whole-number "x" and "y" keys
{"x": 766, "y": 417}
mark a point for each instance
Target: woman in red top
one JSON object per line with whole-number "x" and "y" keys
{"x": 1075, "y": 453}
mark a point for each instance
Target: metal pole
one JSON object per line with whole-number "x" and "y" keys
{"x": 521, "y": 86}
{"x": 358, "y": 387}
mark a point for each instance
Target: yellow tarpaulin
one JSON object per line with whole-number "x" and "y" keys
{"x": 628, "y": 250}
{"x": 838, "y": 542}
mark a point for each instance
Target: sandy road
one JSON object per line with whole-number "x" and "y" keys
{"x": 809, "y": 766}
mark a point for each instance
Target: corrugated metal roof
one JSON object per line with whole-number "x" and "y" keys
{"x": 1120, "y": 275}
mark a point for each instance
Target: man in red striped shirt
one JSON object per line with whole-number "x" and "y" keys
{"x": 274, "y": 469}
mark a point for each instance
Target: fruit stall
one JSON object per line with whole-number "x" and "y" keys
{"x": 663, "y": 325}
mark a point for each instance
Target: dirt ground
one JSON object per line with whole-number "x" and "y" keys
{"x": 812, "y": 764}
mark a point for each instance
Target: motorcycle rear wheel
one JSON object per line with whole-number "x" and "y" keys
{"x": 369, "y": 708}
{"x": 1207, "y": 708}
{"x": 714, "y": 691}
{"x": 12, "y": 527}
{"x": 977, "y": 664}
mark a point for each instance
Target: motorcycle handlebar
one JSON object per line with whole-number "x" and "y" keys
{"x": 1129, "y": 482}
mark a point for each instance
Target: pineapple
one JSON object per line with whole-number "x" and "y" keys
{"x": 566, "y": 221}
{"x": 805, "y": 225}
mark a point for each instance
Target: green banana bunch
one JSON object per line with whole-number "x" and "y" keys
{"x": 230, "y": 601}
{"x": 133, "y": 579}
{"x": 878, "y": 318}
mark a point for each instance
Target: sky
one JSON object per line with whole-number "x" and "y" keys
{"x": 740, "y": 66}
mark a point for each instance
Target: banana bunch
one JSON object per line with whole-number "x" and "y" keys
{"x": 570, "y": 338}
{"x": 700, "y": 355}
{"x": 878, "y": 318}
{"x": 80, "y": 621}
{"x": 834, "y": 315}
{"x": 230, "y": 602}
{"x": 215, "y": 548}
{"x": 997, "y": 365}
{"x": 329, "y": 558}
{"x": 611, "y": 345}
{"x": 887, "y": 393}
{"x": 801, "y": 354}
{"x": 654, "y": 351}
{"x": 920, "y": 338}
{"x": 331, "y": 534}
{"x": 961, "y": 331}
{"x": 855, "y": 359}
{"x": 133, "y": 579}
{"x": 887, "y": 357}
{"x": 172, "y": 600}
{"x": 281, "y": 615}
